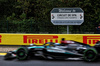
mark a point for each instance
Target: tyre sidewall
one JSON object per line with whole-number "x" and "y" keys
{"x": 88, "y": 51}
{"x": 24, "y": 51}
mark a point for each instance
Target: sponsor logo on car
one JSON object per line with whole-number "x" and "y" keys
{"x": 90, "y": 39}
{"x": 40, "y": 39}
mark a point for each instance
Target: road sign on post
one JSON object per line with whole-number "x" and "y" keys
{"x": 67, "y": 16}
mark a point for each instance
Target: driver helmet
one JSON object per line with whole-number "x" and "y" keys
{"x": 31, "y": 45}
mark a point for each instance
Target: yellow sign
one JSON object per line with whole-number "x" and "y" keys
{"x": 40, "y": 39}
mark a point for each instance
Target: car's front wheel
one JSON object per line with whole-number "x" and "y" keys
{"x": 22, "y": 53}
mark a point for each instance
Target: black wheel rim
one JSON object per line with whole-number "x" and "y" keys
{"x": 90, "y": 55}
{"x": 21, "y": 53}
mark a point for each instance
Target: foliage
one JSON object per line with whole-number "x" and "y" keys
{"x": 33, "y": 16}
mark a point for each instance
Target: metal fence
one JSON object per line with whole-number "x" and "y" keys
{"x": 35, "y": 28}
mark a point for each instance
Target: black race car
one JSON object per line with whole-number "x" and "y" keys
{"x": 50, "y": 50}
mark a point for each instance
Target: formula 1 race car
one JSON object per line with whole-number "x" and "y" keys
{"x": 50, "y": 50}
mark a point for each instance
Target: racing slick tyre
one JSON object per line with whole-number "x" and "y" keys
{"x": 22, "y": 53}
{"x": 90, "y": 54}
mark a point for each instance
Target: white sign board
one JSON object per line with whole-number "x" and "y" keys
{"x": 67, "y": 16}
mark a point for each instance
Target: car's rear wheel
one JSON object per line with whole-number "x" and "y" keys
{"x": 90, "y": 54}
{"x": 22, "y": 53}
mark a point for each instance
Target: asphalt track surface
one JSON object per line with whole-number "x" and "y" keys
{"x": 44, "y": 62}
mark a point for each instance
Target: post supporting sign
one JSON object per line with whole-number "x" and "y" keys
{"x": 67, "y": 16}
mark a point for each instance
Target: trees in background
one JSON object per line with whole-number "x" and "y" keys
{"x": 33, "y": 16}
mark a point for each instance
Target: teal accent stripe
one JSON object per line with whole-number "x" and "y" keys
{"x": 36, "y": 47}
{"x": 68, "y": 53}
